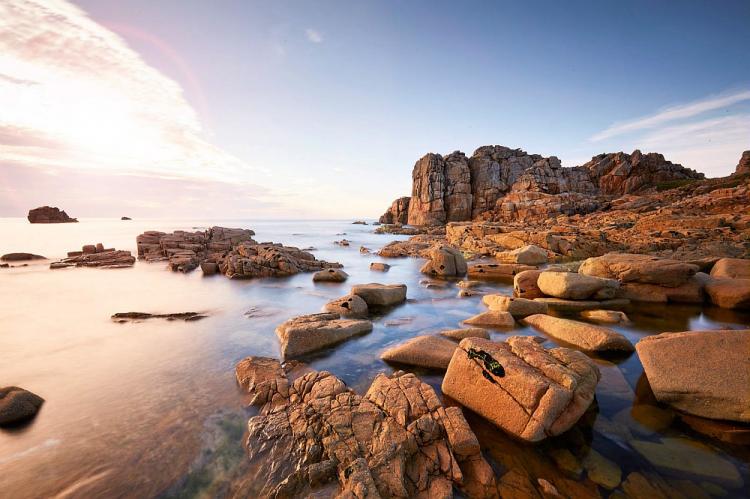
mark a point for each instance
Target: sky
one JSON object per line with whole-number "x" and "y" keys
{"x": 319, "y": 109}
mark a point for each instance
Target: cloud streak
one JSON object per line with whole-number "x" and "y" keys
{"x": 673, "y": 113}
{"x": 314, "y": 35}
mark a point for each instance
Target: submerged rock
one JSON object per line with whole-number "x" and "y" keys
{"x": 380, "y": 295}
{"x": 424, "y": 351}
{"x": 307, "y": 333}
{"x": 141, "y": 316}
{"x": 351, "y": 306}
{"x": 705, "y": 373}
{"x": 529, "y": 392}
{"x": 330, "y": 275}
{"x": 49, "y": 215}
{"x": 585, "y": 336}
{"x": 18, "y": 405}
{"x": 314, "y": 433}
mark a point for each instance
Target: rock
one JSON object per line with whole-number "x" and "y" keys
{"x": 525, "y": 284}
{"x": 380, "y": 267}
{"x": 650, "y": 485}
{"x": 492, "y": 318}
{"x": 19, "y": 257}
{"x": 733, "y": 433}
{"x": 560, "y": 305}
{"x": 359, "y": 222}
{"x": 424, "y": 351}
{"x": 398, "y": 213}
{"x": 380, "y": 295}
{"x": 445, "y": 261}
{"x": 685, "y": 456}
{"x": 395, "y": 441}
{"x": 527, "y": 255}
{"x": 96, "y": 256}
{"x": 343, "y": 242}
{"x": 351, "y": 306}
{"x": 729, "y": 293}
{"x": 601, "y": 470}
{"x": 330, "y": 275}
{"x": 469, "y": 332}
{"x": 606, "y": 316}
{"x": 248, "y": 260}
{"x": 466, "y": 293}
{"x": 469, "y": 284}
{"x": 643, "y": 269}
{"x": 715, "y": 386}
{"x": 689, "y": 292}
{"x": 496, "y": 270}
{"x": 441, "y": 190}
{"x": 518, "y": 307}
{"x": 49, "y": 215}
{"x": 365, "y": 251}
{"x": 733, "y": 268}
{"x": 261, "y": 377}
{"x": 573, "y": 286}
{"x": 209, "y": 268}
{"x": 529, "y": 392}
{"x": 566, "y": 461}
{"x": 18, "y": 405}
{"x": 125, "y": 218}
{"x": 141, "y": 316}
{"x": 743, "y": 167}
{"x": 308, "y": 333}
{"x": 584, "y": 336}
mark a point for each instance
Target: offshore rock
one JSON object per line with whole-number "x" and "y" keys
{"x": 96, "y": 256}
{"x": 49, "y": 215}
{"x": 398, "y": 213}
{"x": 249, "y": 259}
{"x": 397, "y": 440}
{"x": 19, "y": 257}
{"x": 308, "y": 333}
{"x": 524, "y": 389}
{"x": 18, "y": 405}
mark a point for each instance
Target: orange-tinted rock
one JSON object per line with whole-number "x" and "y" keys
{"x": 732, "y": 268}
{"x": 585, "y": 336}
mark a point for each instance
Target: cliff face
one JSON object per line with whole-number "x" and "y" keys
{"x": 743, "y": 166}
{"x": 497, "y": 182}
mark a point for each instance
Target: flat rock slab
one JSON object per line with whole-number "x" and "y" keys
{"x": 469, "y": 332}
{"x": 496, "y": 270}
{"x": 19, "y": 257}
{"x": 380, "y": 295}
{"x": 18, "y": 405}
{"x": 517, "y": 307}
{"x": 584, "y": 336}
{"x": 492, "y": 318}
{"x": 330, "y": 275}
{"x": 524, "y": 389}
{"x": 142, "y": 316}
{"x": 424, "y": 351}
{"x": 574, "y": 286}
{"x": 561, "y": 305}
{"x": 627, "y": 267}
{"x": 307, "y": 333}
{"x": 705, "y": 373}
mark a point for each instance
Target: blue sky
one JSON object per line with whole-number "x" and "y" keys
{"x": 322, "y": 108}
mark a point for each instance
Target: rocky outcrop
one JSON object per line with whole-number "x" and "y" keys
{"x": 524, "y": 389}
{"x": 398, "y": 213}
{"x": 308, "y": 333}
{"x": 249, "y": 260}
{"x": 96, "y": 255}
{"x": 705, "y": 373}
{"x": 397, "y": 440}
{"x": 743, "y": 167}
{"x": 49, "y": 215}
{"x": 584, "y": 336}
{"x": 18, "y": 405}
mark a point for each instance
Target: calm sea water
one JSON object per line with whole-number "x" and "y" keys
{"x": 151, "y": 408}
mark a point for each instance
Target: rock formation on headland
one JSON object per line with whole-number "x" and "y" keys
{"x": 49, "y": 215}
{"x": 455, "y": 188}
{"x": 743, "y": 167}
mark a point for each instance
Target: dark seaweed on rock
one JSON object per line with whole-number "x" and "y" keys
{"x": 490, "y": 364}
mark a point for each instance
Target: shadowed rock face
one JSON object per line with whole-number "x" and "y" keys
{"x": 743, "y": 167}
{"x": 49, "y": 215}
{"x": 398, "y": 213}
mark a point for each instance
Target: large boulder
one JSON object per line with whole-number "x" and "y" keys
{"x": 705, "y": 373}
{"x": 314, "y": 434}
{"x": 732, "y": 268}
{"x": 743, "y": 167}
{"x": 584, "y": 336}
{"x": 398, "y": 213}
{"x": 351, "y": 306}
{"x": 49, "y": 215}
{"x": 525, "y": 284}
{"x": 517, "y": 307}
{"x": 529, "y": 392}
{"x": 729, "y": 293}
{"x": 527, "y": 255}
{"x": 646, "y": 269}
{"x": 307, "y": 333}
{"x": 574, "y": 286}
{"x": 380, "y": 295}
{"x": 424, "y": 351}
{"x": 445, "y": 261}
{"x": 330, "y": 275}
{"x": 18, "y": 405}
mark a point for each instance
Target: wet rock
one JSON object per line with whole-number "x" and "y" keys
{"x": 733, "y": 433}
{"x": 330, "y": 275}
{"x": 584, "y": 336}
{"x": 467, "y": 293}
{"x": 606, "y": 316}
{"x": 733, "y": 268}
{"x": 686, "y": 456}
{"x": 492, "y": 318}
{"x": 395, "y": 441}
{"x": 380, "y": 295}
{"x": 574, "y": 286}
{"x": 518, "y": 307}
{"x": 566, "y": 461}
{"x": 729, "y": 293}
{"x": 496, "y": 270}
{"x": 19, "y": 257}
{"x": 351, "y": 306}
{"x": 525, "y": 285}
{"x": 380, "y": 267}
{"x": 261, "y": 377}
{"x": 424, "y": 351}
{"x": 651, "y": 485}
{"x": 308, "y": 333}
{"x": 517, "y": 485}
{"x": 561, "y": 305}
{"x": 601, "y": 470}
{"x": 142, "y": 316}
{"x": 645, "y": 269}
{"x": 469, "y": 332}
{"x": 445, "y": 262}
{"x": 527, "y": 255}
{"x": 18, "y": 405}
{"x": 715, "y": 386}
{"x": 49, "y": 215}
{"x": 209, "y": 268}
{"x": 529, "y": 392}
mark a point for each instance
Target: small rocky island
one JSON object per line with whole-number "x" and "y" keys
{"x": 49, "y": 215}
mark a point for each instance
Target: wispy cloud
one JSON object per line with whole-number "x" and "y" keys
{"x": 314, "y": 35}
{"x": 673, "y": 113}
